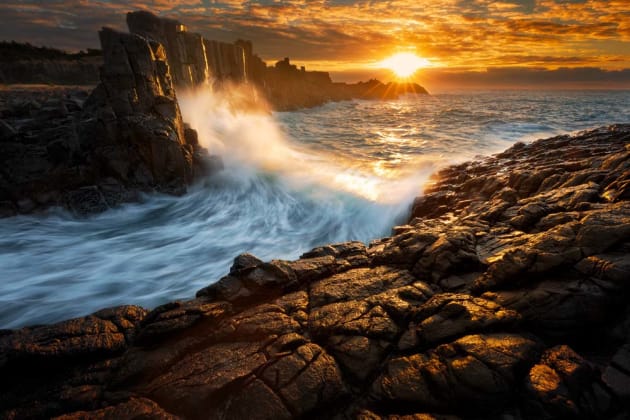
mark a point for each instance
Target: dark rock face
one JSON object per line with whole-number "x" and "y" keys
{"x": 138, "y": 126}
{"x": 89, "y": 154}
{"x": 511, "y": 302}
{"x": 40, "y": 152}
{"x": 75, "y": 356}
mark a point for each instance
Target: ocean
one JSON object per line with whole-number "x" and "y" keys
{"x": 292, "y": 181}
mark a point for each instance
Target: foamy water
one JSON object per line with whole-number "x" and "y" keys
{"x": 293, "y": 181}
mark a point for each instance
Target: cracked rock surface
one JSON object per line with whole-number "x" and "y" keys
{"x": 504, "y": 296}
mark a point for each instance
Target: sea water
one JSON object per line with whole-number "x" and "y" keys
{"x": 292, "y": 181}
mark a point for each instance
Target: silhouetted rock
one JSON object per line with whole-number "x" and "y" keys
{"x": 288, "y": 88}
{"x": 471, "y": 312}
{"x": 25, "y": 63}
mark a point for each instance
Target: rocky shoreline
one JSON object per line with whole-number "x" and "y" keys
{"x": 505, "y": 296}
{"x": 90, "y": 150}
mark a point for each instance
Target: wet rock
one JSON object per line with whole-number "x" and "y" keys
{"x": 256, "y": 283}
{"x": 306, "y": 379}
{"x": 400, "y": 302}
{"x": 352, "y": 318}
{"x": 452, "y": 253}
{"x": 512, "y": 305}
{"x": 190, "y": 384}
{"x": 136, "y": 85}
{"x": 193, "y": 59}
{"x": 325, "y": 261}
{"x": 134, "y": 408}
{"x": 368, "y": 415}
{"x": 447, "y": 315}
{"x": 129, "y": 133}
{"x": 359, "y": 283}
{"x": 358, "y": 355}
{"x": 610, "y": 271}
{"x": 51, "y": 370}
{"x": 255, "y": 401}
{"x": 167, "y": 319}
{"x": 561, "y": 308}
{"x": 472, "y": 371}
{"x": 103, "y": 333}
{"x": 258, "y": 323}
{"x": 86, "y": 200}
{"x": 403, "y": 249}
{"x": 602, "y": 229}
{"x": 6, "y": 130}
{"x": 244, "y": 262}
{"x": 433, "y": 205}
{"x": 566, "y": 385}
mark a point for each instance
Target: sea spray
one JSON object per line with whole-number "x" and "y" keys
{"x": 56, "y": 266}
{"x": 254, "y": 143}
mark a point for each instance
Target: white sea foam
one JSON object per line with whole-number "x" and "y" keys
{"x": 295, "y": 180}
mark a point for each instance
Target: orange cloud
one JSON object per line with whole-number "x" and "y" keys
{"x": 474, "y": 34}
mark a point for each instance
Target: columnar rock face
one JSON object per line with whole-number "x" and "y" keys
{"x": 506, "y": 296}
{"x": 185, "y": 51}
{"x": 193, "y": 60}
{"x": 255, "y": 67}
{"x": 138, "y": 133}
{"x": 226, "y": 61}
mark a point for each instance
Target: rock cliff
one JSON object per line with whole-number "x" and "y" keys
{"x": 137, "y": 133}
{"x": 89, "y": 154}
{"x": 505, "y": 296}
{"x": 193, "y": 59}
{"x": 128, "y": 135}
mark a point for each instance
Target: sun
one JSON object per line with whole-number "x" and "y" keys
{"x": 404, "y": 64}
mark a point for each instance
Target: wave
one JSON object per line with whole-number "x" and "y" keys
{"x": 276, "y": 198}
{"x": 292, "y": 181}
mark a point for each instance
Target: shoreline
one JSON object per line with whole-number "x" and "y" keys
{"x": 486, "y": 303}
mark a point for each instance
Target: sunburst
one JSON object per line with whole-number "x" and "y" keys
{"x": 404, "y": 64}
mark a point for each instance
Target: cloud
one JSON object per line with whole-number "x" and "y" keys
{"x": 475, "y": 34}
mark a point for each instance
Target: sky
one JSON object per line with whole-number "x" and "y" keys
{"x": 469, "y": 43}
